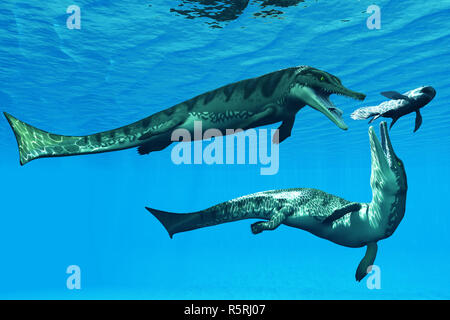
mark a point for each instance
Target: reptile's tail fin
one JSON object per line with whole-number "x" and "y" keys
{"x": 177, "y": 222}
{"x": 32, "y": 142}
{"x": 365, "y": 113}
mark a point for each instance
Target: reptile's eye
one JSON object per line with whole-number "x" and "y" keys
{"x": 399, "y": 163}
{"x": 321, "y": 78}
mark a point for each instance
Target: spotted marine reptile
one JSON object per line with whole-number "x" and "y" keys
{"x": 350, "y": 224}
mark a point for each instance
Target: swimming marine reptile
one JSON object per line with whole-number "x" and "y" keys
{"x": 350, "y": 224}
{"x": 400, "y": 105}
{"x": 250, "y": 103}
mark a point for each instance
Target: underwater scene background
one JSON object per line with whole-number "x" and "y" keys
{"x": 133, "y": 58}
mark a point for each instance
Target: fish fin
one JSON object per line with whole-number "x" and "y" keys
{"x": 367, "y": 261}
{"x": 394, "y": 120}
{"x": 284, "y": 131}
{"x": 339, "y": 213}
{"x": 418, "y": 120}
{"x": 394, "y": 95}
{"x": 375, "y": 118}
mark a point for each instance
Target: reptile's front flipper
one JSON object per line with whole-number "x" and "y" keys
{"x": 284, "y": 131}
{"x": 339, "y": 213}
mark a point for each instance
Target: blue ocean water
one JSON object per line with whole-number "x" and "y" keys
{"x": 131, "y": 59}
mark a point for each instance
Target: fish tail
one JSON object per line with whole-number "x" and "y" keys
{"x": 365, "y": 113}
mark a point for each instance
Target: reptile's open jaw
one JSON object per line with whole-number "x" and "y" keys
{"x": 382, "y": 153}
{"x": 319, "y": 99}
{"x": 378, "y": 151}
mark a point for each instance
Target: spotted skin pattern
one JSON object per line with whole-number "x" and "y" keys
{"x": 241, "y": 105}
{"x": 301, "y": 207}
{"x": 327, "y": 216}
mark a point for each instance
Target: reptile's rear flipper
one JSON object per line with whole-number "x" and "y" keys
{"x": 339, "y": 213}
{"x": 274, "y": 222}
{"x": 156, "y": 145}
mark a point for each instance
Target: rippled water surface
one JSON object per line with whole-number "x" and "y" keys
{"x": 131, "y": 59}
